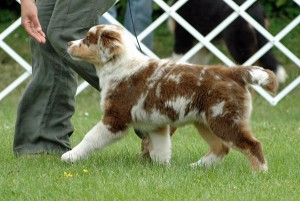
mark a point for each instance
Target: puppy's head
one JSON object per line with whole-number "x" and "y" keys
{"x": 102, "y": 44}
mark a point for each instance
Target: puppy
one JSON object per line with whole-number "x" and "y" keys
{"x": 151, "y": 94}
{"x": 241, "y": 39}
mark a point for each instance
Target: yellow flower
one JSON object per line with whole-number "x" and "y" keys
{"x": 67, "y": 174}
{"x": 85, "y": 170}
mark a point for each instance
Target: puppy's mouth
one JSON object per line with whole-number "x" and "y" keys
{"x": 73, "y": 55}
{"x": 71, "y": 49}
{"x": 76, "y": 58}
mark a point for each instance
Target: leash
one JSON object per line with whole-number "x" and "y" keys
{"x": 137, "y": 132}
{"x": 133, "y": 27}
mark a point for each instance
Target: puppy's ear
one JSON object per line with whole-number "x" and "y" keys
{"x": 110, "y": 45}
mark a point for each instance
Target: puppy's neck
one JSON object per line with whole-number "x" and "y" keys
{"x": 126, "y": 64}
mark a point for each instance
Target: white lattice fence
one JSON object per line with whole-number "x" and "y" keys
{"x": 203, "y": 42}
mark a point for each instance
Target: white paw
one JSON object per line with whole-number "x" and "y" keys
{"x": 208, "y": 161}
{"x": 200, "y": 163}
{"x": 263, "y": 168}
{"x": 71, "y": 157}
{"x": 163, "y": 159}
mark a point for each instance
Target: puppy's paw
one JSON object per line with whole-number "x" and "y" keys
{"x": 71, "y": 157}
{"x": 208, "y": 161}
{"x": 198, "y": 163}
{"x": 264, "y": 168}
{"x": 202, "y": 163}
{"x": 160, "y": 158}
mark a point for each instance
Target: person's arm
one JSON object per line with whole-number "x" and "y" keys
{"x": 30, "y": 21}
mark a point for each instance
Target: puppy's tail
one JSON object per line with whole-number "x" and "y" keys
{"x": 259, "y": 76}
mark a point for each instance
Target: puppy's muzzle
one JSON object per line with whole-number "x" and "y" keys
{"x": 69, "y": 44}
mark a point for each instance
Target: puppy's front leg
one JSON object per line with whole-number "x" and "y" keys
{"x": 96, "y": 139}
{"x": 160, "y": 150}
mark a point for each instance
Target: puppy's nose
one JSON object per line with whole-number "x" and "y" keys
{"x": 69, "y": 44}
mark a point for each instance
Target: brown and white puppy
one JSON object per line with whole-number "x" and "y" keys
{"x": 151, "y": 94}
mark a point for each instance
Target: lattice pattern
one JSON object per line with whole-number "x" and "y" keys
{"x": 203, "y": 42}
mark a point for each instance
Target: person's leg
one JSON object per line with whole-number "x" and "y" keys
{"x": 142, "y": 17}
{"x": 70, "y": 21}
{"x": 44, "y": 113}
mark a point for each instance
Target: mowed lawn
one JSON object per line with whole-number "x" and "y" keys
{"x": 118, "y": 173}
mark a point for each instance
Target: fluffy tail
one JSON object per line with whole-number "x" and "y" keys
{"x": 259, "y": 76}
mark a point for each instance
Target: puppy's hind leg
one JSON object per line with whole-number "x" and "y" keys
{"x": 96, "y": 139}
{"x": 161, "y": 145}
{"x": 239, "y": 136}
{"x": 253, "y": 149}
{"x": 217, "y": 149}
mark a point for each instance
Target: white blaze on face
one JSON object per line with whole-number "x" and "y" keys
{"x": 76, "y": 42}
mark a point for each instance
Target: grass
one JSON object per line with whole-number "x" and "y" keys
{"x": 117, "y": 173}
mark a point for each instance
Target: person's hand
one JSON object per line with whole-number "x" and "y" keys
{"x": 30, "y": 21}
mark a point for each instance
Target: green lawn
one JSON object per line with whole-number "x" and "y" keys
{"x": 118, "y": 173}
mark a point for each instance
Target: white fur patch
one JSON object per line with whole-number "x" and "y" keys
{"x": 156, "y": 76}
{"x": 203, "y": 71}
{"x": 264, "y": 167}
{"x": 217, "y": 77}
{"x": 141, "y": 117}
{"x": 259, "y": 76}
{"x": 158, "y": 90}
{"x": 137, "y": 111}
{"x": 208, "y": 160}
{"x": 77, "y": 42}
{"x": 229, "y": 144}
{"x": 175, "y": 78}
{"x": 217, "y": 110}
{"x": 93, "y": 30}
{"x": 96, "y": 139}
{"x": 229, "y": 85}
{"x": 179, "y": 105}
{"x": 161, "y": 151}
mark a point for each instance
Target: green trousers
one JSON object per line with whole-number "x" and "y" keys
{"x": 47, "y": 105}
